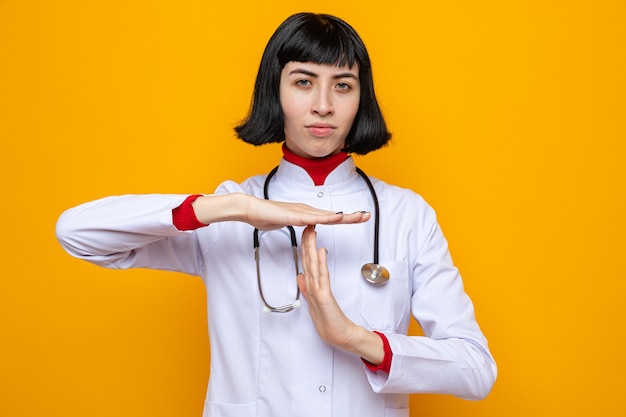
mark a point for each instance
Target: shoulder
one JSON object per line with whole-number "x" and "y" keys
{"x": 396, "y": 193}
{"x": 402, "y": 203}
{"x": 252, "y": 185}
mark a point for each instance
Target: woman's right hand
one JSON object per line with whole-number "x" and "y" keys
{"x": 267, "y": 214}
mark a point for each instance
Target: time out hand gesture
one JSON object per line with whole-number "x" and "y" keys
{"x": 333, "y": 326}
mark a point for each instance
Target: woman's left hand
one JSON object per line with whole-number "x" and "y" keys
{"x": 333, "y": 326}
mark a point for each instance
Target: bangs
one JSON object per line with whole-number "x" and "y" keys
{"x": 320, "y": 41}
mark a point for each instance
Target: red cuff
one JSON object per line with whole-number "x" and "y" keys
{"x": 385, "y": 365}
{"x": 184, "y": 217}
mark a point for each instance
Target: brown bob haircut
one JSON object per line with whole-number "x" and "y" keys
{"x": 322, "y": 39}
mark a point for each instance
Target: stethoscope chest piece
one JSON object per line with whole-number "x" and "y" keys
{"x": 375, "y": 274}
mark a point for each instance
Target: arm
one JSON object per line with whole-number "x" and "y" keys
{"x": 453, "y": 357}
{"x": 138, "y": 230}
{"x": 129, "y": 231}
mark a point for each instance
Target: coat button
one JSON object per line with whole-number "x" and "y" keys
{"x": 322, "y": 388}
{"x": 320, "y": 194}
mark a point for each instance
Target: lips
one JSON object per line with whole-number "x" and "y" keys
{"x": 320, "y": 129}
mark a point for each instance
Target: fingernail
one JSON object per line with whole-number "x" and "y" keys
{"x": 339, "y": 212}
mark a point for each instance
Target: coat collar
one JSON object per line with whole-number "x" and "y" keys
{"x": 345, "y": 171}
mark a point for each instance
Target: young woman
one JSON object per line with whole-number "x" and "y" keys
{"x": 312, "y": 227}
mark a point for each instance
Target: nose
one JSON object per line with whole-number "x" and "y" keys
{"x": 322, "y": 103}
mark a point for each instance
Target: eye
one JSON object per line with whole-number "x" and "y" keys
{"x": 303, "y": 83}
{"x": 344, "y": 86}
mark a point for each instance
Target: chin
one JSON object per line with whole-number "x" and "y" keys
{"x": 323, "y": 153}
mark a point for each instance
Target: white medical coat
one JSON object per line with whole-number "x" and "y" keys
{"x": 275, "y": 365}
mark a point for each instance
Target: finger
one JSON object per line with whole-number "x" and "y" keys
{"x": 310, "y": 258}
{"x": 322, "y": 267}
{"x": 305, "y": 252}
{"x": 349, "y": 218}
{"x": 325, "y": 217}
{"x": 301, "y": 280}
{"x": 316, "y": 262}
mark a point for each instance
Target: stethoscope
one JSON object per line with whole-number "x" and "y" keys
{"x": 372, "y": 272}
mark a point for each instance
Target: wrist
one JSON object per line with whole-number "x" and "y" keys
{"x": 368, "y": 345}
{"x": 385, "y": 364}
{"x": 184, "y": 217}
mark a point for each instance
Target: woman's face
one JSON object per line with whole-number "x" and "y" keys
{"x": 319, "y": 102}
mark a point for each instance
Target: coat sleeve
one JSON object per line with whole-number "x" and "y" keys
{"x": 453, "y": 356}
{"x": 132, "y": 231}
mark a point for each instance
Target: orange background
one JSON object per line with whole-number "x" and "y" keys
{"x": 508, "y": 117}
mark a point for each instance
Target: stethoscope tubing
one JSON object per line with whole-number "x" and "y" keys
{"x": 294, "y": 245}
{"x": 376, "y": 210}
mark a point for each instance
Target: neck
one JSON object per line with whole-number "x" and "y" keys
{"x": 317, "y": 168}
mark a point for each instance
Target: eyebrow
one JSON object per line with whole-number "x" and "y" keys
{"x": 314, "y": 75}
